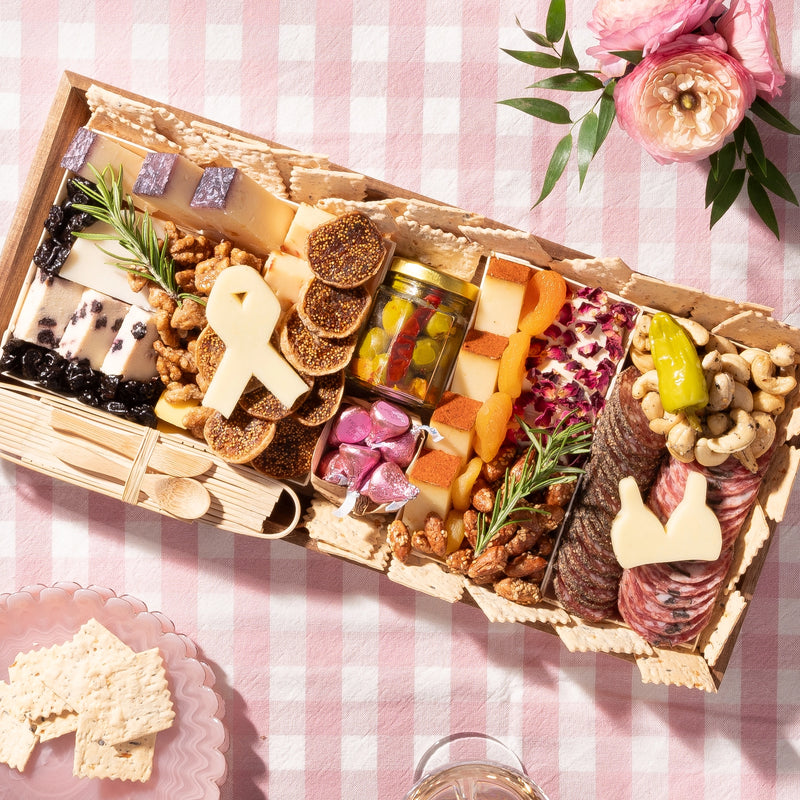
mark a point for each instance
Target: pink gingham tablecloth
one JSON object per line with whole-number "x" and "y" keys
{"x": 336, "y": 679}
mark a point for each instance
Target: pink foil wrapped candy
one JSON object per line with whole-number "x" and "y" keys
{"x": 399, "y": 450}
{"x": 332, "y": 468}
{"x": 388, "y": 421}
{"x": 358, "y": 462}
{"x": 352, "y": 426}
{"x": 388, "y": 484}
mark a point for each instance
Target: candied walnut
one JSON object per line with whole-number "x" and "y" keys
{"x": 495, "y": 469}
{"x": 243, "y": 257}
{"x": 436, "y": 534}
{"x": 168, "y": 335}
{"x": 459, "y": 561}
{"x": 189, "y": 316}
{"x": 176, "y": 392}
{"x": 160, "y": 300}
{"x": 524, "y": 539}
{"x": 176, "y": 357}
{"x": 224, "y": 248}
{"x": 527, "y": 565}
{"x": 559, "y": 494}
{"x": 420, "y": 542}
{"x": 195, "y": 420}
{"x": 483, "y": 499}
{"x": 184, "y": 280}
{"x": 189, "y": 249}
{"x": 137, "y": 281}
{"x": 489, "y": 565}
{"x": 518, "y": 590}
{"x": 399, "y": 538}
{"x": 208, "y": 271}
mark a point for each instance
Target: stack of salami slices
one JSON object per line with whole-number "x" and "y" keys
{"x": 588, "y": 574}
{"x": 669, "y": 604}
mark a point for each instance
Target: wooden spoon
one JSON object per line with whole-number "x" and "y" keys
{"x": 182, "y": 497}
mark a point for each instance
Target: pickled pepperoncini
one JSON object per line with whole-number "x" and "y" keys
{"x": 681, "y": 382}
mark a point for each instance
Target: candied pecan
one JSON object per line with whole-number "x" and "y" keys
{"x": 495, "y": 469}
{"x": 207, "y": 272}
{"x": 470, "y": 519}
{"x": 559, "y": 494}
{"x": 545, "y": 546}
{"x": 195, "y": 420}
{"x": 435, "y": 533}
{"x": 399, "y": 538}
{"x": 527, "y": 565}
{"x": 524, "y": 539}
{"x": 489, "y": 564}
{"x": 518, "y": 590}
{"x": 459, "y": 560}
{"x": 188, "y": 316}
{"x": 420, "y": 542}
{"x": 483, "y": 499}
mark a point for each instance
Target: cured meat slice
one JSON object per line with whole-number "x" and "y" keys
{"x": 588, "y": 575}
{"x": 669, "y": 604}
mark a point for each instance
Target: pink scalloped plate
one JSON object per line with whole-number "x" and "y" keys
{"x": 189, "y": 759}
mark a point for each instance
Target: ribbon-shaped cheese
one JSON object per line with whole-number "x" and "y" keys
{"x": 692, "y": 533}
{"x": 243, "y": 311}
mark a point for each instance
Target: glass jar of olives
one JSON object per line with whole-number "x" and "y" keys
{"x": 409, "y": 345}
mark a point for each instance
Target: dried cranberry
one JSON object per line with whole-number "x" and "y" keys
{"x": 31, "y": 362}
{"x": 108, "y": 386}
{"x": 55, "y": 220}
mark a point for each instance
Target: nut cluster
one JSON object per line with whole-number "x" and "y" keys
{"x": 746, "y": 389}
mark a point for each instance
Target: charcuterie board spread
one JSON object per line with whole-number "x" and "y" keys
{"x": 479, "y": 413}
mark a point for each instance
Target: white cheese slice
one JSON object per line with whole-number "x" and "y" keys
{"x": 92, "y": 327}
{"x": 232, "y": 204}
{"x": 49, "y": 304}
{"x": 131, "y": 353}
{"x": 305, "y": 220}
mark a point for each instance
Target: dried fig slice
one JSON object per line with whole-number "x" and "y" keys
{"x": 323, "y": 401}
{"x": 262, "y": 403}
{"x": 238, "y": 439}
{"x": 330, "y": 311}
{"x": 312, "y": 354}
{"x": 288, "y": 455}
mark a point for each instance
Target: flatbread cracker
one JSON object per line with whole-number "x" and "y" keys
{"x": 758, "y": 330}
{"x": 613, "y": 274}
{"x": 359, "y": 536}
{"x": 447, "y": 218}
{"x": 55, "y": 725}
{"x": 428, "y": 577}
{"x": 311, "y": 184}
{"x": 191, "y": 143}
{"x": 714, "y": 638}
{"x": 128, "y": 761}
{"x": 498, "y": 609}
{"x": 602, "y": 637}
{"x": 378, "y": 212}
{"x": 378, "y": 559}
{"x": 676, "y": 668}
{"x": 17, "y": 737}
{"x": 754, "y": 535}
{"x": 508, "y": 241}
{"x": 776, "y": 488}
{"x": 451, "y": 254}
{"x": 286, "y": 159}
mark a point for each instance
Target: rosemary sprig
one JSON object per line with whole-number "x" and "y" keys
{"x": 549, "y": 460}
{"x": 135, "y": 234}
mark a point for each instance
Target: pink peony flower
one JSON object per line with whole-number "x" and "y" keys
{"x": 643, "y": 25}
{"x": 749, "y": 28}
{"x": 682, "y": 101}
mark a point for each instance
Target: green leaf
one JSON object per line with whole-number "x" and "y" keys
{"x": 555, "y": 169}
{"x": 754, "y": 140}
{"x": 535, "y": 58}
{"x": 570, "y": 82}
{"x": 722, "y": 164}
{"x": 772, "y": 178}
{"x": 738, "y": 140}
{"x": 726, "y": 196}
{"x": 760, "y": 201}
{"x": 556, "y": 20}
{"x": 587, "y": 136}
{"x": 631, "y": 56}
{"x": 568, "y": 58}
{"x": 605, "y": 116}
{"x": 536, "y": 38}
{"x": 762, "y": 109}
{"x": 540, "y": 108}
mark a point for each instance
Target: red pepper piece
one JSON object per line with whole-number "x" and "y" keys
{"x": 403, "y": 346}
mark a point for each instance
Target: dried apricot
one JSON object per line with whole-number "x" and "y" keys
{"x": 546, "y": 294}
{"x": 454, "y": 525}
{"x": 462, "y": 485}
{"x": 491, "y": 424}
{"x": 512, "y": 364}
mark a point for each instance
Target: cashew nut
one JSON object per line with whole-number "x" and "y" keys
{"x": 680, "y": 441}
{"x": 745, "y": 457}
{"x": 736, "y": 366}
{"x": 697, "y": 333}
{"x": 720, "y": 393}
{"x": 771, "y": 403}
{"x": 644, "y": 384}
{"x": 704, "y": 455}
{"x": 749, "y": 353}
{"x": 765, "y": 434}
{"x": 717, "y": 423}
{"x": 721, "y": 343}
{"x": 712, "y": 363}
{"x": 782, "y": 355}
{"x": 763, "y": 377}
{"x": 641, "y": 333}
{"x": 742, "y": 397}
{"x": 664, "y": 424}
{"x": 738, "y": 437}
{"x": 642, "y": 361}
{"x": 651, "y": 406}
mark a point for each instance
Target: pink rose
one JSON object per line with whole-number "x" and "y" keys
{"x": 749, "y": 27}
{"x": 643, "y": 25}
{"x": 681, "y": 101}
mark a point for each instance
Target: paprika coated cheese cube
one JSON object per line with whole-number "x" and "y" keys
{"x": 478, "y": 363}
{"x": 433, "y": 474}
{"x": 502, "y": 292}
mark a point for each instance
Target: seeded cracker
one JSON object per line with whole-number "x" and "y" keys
{"x": 753, "y": 536}
{"x": 611, "y": 273}
{"x": 716, "y": 634}
{"x": 17, "y": 738}
{"x": 130, "y": 761}
{"x": 676, "y": 668}
{"x": 447, "y": 218}
{"x": 378, "y": 211}
{"x": 453, "y": 255}
{"x": 287, "y": 159}
{"x": 498, "y": 609}
{"x": 427, "y": 576}
{"x": 357, "y": 536}
{"x": 310, "y": 184}
{"x": 238, "y": 439}
{"x": 602, "y": 637}
{"x": 509, "y": 242}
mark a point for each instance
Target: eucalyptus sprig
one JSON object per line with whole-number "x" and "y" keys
{"x": 726, "y": 179}
{"x": 550, "y": 459}
{"x": 135, "y": 233}
{"x": 594, "y": 125}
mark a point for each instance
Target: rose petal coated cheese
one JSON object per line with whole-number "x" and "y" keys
{"x": 131, "y": 353}
{"x": 234, "y": 205}
{"x": 92, "y": 328}
{"x": 46, "y": 311}
{"x": 90, "y": 149}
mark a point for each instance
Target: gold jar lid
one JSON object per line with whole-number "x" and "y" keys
{"x": 420, "y": 272}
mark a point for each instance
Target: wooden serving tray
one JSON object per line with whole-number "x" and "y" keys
{"x": 701, "y": 665}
